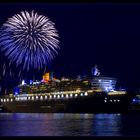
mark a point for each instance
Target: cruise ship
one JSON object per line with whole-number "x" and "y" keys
{"x": 86, "y": 94}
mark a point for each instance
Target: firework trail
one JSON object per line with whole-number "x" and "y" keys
{"x": 29, "y": 40}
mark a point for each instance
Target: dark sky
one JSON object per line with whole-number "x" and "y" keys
{"x": 104, "y": 34}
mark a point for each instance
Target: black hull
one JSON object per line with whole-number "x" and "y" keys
{"x": 76, "y": 105}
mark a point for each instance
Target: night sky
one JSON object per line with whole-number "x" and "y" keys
{"x": 104, "y": 34}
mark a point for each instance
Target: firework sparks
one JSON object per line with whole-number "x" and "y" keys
{"x": 29, "y": 40}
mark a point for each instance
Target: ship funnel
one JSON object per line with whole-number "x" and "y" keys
{"x": 48, "y": 77}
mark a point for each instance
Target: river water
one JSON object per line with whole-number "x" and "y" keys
{"x": 68, "y": 124}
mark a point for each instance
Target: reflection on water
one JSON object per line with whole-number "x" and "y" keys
{"x": 66, "y": 124}
{"x": 106, "y": 125}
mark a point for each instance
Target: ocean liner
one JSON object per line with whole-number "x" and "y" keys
{"x": 86, "y": 94}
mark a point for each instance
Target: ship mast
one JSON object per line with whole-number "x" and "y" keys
{"x": 95, "y": 71}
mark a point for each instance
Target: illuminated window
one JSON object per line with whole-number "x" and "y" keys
{"x": 105, "y": 101}
{"x": 67, "y": 96}
{"x": 4, "y": 100}
{"x": 86, "y": 93}
{"x": 1, "y": 100}
{"x": 62, "y": 95}
{"x": 7, "y": 100}
{"x": 54, "y": 96}
{"x": 110, "y": 100}
{"x": 28, "y": 98}
{"x": 81, "y": 94}
{"x": 11, "y": 100}
{"x": 45, "y": 97}
{"x": 76, "y": 95}
{"x": 105, "y": 98}
{"x": 114, "y": 100}
{"x": 58, "y": 96}
{"x": 118, "y": 100}
{"x": 70, "y": 95}
{"x": 50, "y": 96}
{"x": 32, "y": 98}
{"x": 41, "y": 97}
{"x": 36, "y": 97}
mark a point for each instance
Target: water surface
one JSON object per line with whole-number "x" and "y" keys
{"x": 68, "y": 124}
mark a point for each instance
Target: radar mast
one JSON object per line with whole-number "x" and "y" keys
{"x": 95, "y": 71}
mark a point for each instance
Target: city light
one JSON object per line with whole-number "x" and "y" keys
{"x": 134, "y": 100}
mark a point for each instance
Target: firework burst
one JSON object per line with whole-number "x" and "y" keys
{"x": 29, "y": 40}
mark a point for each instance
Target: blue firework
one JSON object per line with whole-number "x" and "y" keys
{"x": 29, "y": 40}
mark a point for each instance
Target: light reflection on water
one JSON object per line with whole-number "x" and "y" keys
{"x": 66, "y": 124}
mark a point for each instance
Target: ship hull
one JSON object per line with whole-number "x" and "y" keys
{"x": 90, "y": 104}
